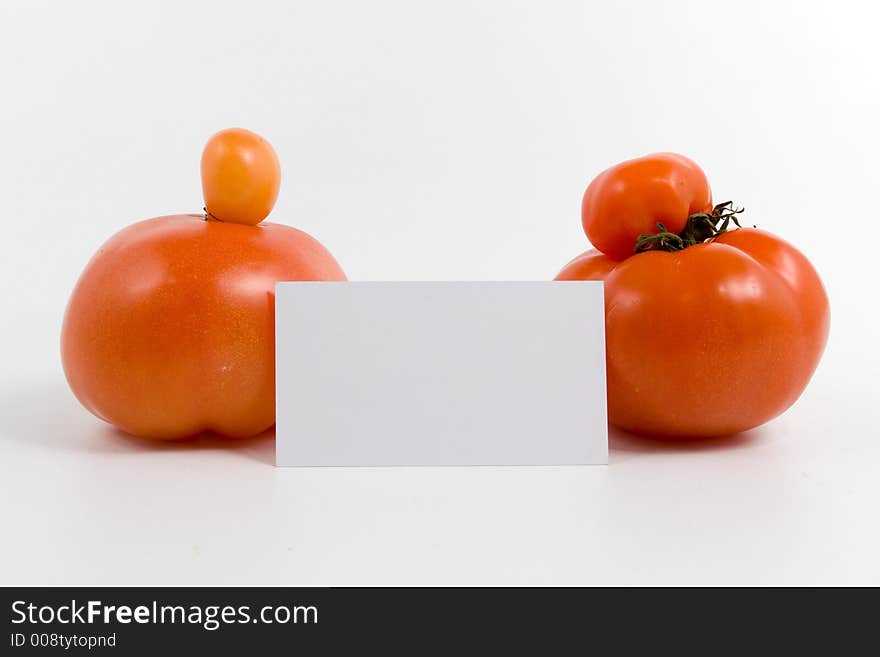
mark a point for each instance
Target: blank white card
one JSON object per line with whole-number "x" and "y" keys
{"x": 440, "y": 374}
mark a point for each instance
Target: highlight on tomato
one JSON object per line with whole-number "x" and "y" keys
{"x": 169, "y": 331}
{"x": 711, "y": 328}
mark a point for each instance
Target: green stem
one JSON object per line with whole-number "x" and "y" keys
{"x": 699, "y": 228}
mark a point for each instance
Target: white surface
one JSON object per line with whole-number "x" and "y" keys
{"x": 447, "y": 144}
{"x": 486, "y": 373}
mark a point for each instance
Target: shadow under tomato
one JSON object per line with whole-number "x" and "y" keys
{"x": 624, "y": 441}
{"x": 260, "y": 447}
{"x": 49, "y": 416}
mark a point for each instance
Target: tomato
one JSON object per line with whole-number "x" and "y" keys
{"x": 240, "y": 176}
{"x": 709, "y": 340}
{"x": 629, "y": 199}
{"x": 170, "y": 330}
{"x": 588, "y": 266}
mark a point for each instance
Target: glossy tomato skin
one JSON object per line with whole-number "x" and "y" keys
{"x": 590, "y": 265}
{"x": 712, "y": 340}
{"x": 169, "y": 331}
{"x": 630, "y": 198}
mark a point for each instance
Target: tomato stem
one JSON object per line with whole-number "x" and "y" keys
{"x": 210, "y": 217}
{"x": 700, "y": 227}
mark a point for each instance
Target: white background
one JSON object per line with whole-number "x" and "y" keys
{"x": 437, "y": 141}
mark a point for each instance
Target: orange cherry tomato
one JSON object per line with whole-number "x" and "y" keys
{"x": 170, "y": 330}
{"x": 240, "y": 177}
{"x": 630, "y": 198}
{"x": 713, "y": 339}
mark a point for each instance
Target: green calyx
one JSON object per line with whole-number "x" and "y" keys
{"x": 699, "y": 228}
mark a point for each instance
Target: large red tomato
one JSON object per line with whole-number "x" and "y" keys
{"x": 170, "y": 329}
{"x": 710, "y": 339}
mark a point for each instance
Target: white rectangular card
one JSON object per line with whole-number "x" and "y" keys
{"x": 440, "y": 374}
